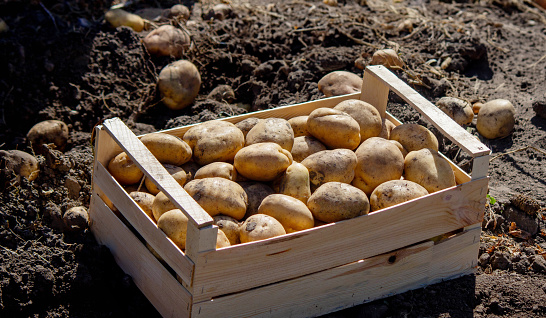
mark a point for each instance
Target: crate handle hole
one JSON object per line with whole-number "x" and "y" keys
{"x": 392, "y": 259}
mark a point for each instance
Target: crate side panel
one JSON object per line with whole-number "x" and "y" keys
{"x": 156, "y": 283}
{"x": 352, "y": 284}
{"x": 255, "y": 264}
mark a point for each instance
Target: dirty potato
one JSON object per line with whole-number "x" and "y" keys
{"x": 260, "y": 227}
{"x": 339, "y": 83}
{"x": 429, "y": 169}
{"x": 394, "y": 192}
{"x": 330, "y": 165}
{"x": 176, "y": 172}
{"x": 167, "y": 149}
{"x": 337, "y": 201}
{"x": 366, "y": 115}
{"x": 179, "y": 84}
{"x": 334, "y": 128}
{"x": 214, "y": 141}
{"x": 124, "y": 170}
{"x": 414, "y": 137}
{"x": 262, "y": 162}
{"x": 229, "y": 226}
{"x": 276, "y": 130}
{"x": 295, "y": 182}
{"x": 289, "y": 211}
{"x": 304, "y": 146}
{"x": 167, "y": 41}
{"x": 299, "y": 126}
{"x": 217, "y": 169}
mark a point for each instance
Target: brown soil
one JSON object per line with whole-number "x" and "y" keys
{"x": 60, "y": 61}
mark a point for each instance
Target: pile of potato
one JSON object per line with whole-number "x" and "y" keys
{"x": 261, "y": 178}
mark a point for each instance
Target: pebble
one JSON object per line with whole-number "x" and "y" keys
{"x": 500, "y": 260}
{"x": 539, "y": 264}
{"x": 484, "y": 259}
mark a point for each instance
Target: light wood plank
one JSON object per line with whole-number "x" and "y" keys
{"x": 242, "y": 266}
{"x": 155, "y": 282}
{"x": 375, "y": 92}
{"x": 195, "y": 240}
{"x": 170, "y": 253}
{"x": 153, "y": 169}
{"x": 433, "y": 114}
{"x": 480, "y": 167}
{"x": 348, "y": 285}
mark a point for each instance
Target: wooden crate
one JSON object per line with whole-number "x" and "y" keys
{"x": 302, "y": 274}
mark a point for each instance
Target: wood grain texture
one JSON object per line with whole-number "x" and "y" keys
{"x": 355, "y": 283}
{"x": 375, "y": 92}
{"x": 156, "y": 283}
{"x": 254, "y": 264}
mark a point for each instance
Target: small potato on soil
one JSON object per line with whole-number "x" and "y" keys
{"x": 219, "y": 12}
{"x": 330, "y": 165}
{"x": 291, "y": 212}
{"x": 459, "y": 110}
{"x": 21, "y": 163}
{"x": 124, "y": 170}
{"x": 334, "y": 128}
{"x": 176, "y": 172}
{"x": 256, "y": 193}
{"x": 48, "y": 132}
{"x": 214, "y": 141}
{"x": 246, "y": 125}
{"x": 167, "y": 41}
{"x": 366, "y": 115}
{"x": 340, "y": 83}
{"x": 304, "y": 146}
{"x": 394, "y": 192}
{"x": 217, "y": 169}
{"x": 387, "y": 58}
{"x": 276, "y": 130}
{"x": 337, "y": 201}
{"x": 222, "y": 93}
{"x": 119, "y": 17}
{"x": 260, "y": 227}
{"x": 229, "y": 226}
{"x": 178, "y": 11}
{"x": 167, "y": 149}
{"x": 145, "y": 201}
{"x": 414, "y": 137}
{"x": 429, "y": 169}
{"x": 299, "y": 126}
{"x": 179, "y": 84}
{"x": 76, "y": 219}
{"x": 496, "y": 119}
{"x": 262, "y": 162}
{"x": 174, "y": 223}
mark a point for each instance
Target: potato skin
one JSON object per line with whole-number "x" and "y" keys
{"x": 256, "y": 193}
{"x": 167, "y": 41}
{"x": 386, "y": 128}
{"x": 176, "y": 172}
{"x": 217, "y": 169}
{"x": 339, "y": 83}
{"x": 219, "y": 196}
{"x": 167, "y": 149}
{"x": 496, "y": 119}
{"x": 299, "y": 126}
{"x": 214, "y": 141}
{"x": 414, "y": 137}
{"x": 46, "y": 132}
{"x": 145, "y": 202}
{"x": 304, "y": 146}
{"x": 330, "y": 165}
{"x": 295, "y": 182}
{"x": 429, "y": 169}
{"x": 222, "y": 240}
{"x": 179, "y": 84}
{"x": 291, "y": 212}
{"x": 276, "y": 130}
{"x": 124, "y": 170}
{"x": 22, "y": 163}
{"x": 229, "y": 226}
{"x": 119, "y": 17}
{"x": 175, "y": 225}
{"x": 161, "y": 204}
{"x": 260, "y": 227}
{"x": 246, "y": 125}
{"x": 378, "y": 161}
{"x": 459, "y": 110}
{"x": 337, "y": 201}
{"x": 366, "y": 115}
{"x": 394, "y": 192}
{"x": 334, "y": 128}
{"x": 262, "y": 162}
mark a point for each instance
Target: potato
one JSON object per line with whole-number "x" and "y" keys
{"x": 414, "y": 137}
{"x": 48, "y": 132}
{"x": 337, "y": 201}
{"x": 179, "y": 11}
{"x": 119, "y": 17}
{"x": 295, "y": 182}
{"x": 76, "y": 219}
{"x": 161, "y": 204}
{"x": 339, "y": 83}
{"x": 222, "y": 240}
{"x": 429, "y": 169}
{"x": 400, "y": 147}
{"x": 124, "y": 170}
{"x": 223, "y": 94}
{"x": 476, "y": 107}
{"x": 330, "y": 165}
{"x": 260, "y": 227}
{"x": 262, "y": 162}
{"x": 167, "y": 41}
{"x": 304, "y": 146}
{"x": 276, "y": 130}
{"x": 217, "y": 169}
{"x": 496, "y": 119}
{"x": 167, "y": 148}
{"x": 219, "y": 12}
{"x": 394, "y": 192}
{"x": 176, "y": 172}
{"x": 459, "y": 110}
{"x": 256, "y": 193}
{"x": 387, "y": 58}
{"x": 21, "y": 163}
{"x": 291, "y": 212}
{"x": 378, "y": 161}
{"x": 214, "y": 141}
{"x": 229, "y": 226}
{"x": 175, "y": 225}
{"x": 366, "y": 115}
{"x": 145, "y": 201}
{"x": 386, "y": 128}
{"x": 246, "y": 125}
{"x": 179, "y": 84}
{"x": 334, "y": 128}
{"x": 219, "y": 196}
{"x": 299, "y": 126}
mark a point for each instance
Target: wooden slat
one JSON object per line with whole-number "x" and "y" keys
{"x": 250, "y": 265}
{"x": 433, "y": 114}
{"x": 153, "y": 169}
{"x": 375, "y": 92}
{"x": 480, "y": 167}
{"x": 170, "y": 253}
{"x": 346, "y": 286}
{"x": 155, "y": 282}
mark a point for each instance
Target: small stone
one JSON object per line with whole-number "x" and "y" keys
{"x": 53, "y": 214}
{"x": 483, "y": 261}
{"x": 76, "y": 218}
{"x": 73, "y": 187}
{"x": 500, "y": 260}
{"x": 539, "y": 264}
